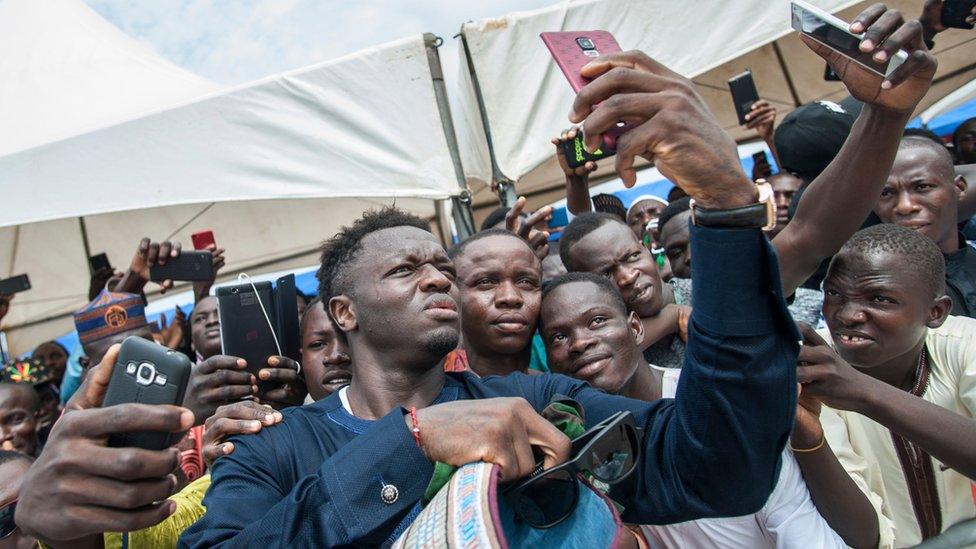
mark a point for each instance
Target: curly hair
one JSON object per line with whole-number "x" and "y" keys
{"x": 674, "y": 209}
{"x": 922, "y": 256}
{"x": 340, "y": 250}
{"x": 577, "y": 230}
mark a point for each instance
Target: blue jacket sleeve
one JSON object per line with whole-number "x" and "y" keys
{"x": 715, "y": 449}
{"x": 247, "y": 506}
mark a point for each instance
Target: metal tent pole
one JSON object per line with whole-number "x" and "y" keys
{"x": 461, "y": 210}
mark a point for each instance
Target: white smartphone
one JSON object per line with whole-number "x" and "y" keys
{"x": 833, "y": 33}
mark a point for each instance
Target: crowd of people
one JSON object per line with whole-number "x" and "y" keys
{"x": 798, "y": 349}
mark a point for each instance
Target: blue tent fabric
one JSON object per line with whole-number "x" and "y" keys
{"x": 947, "y": 122}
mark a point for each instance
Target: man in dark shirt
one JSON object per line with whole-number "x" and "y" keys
{"x": 923, "y": 193}
{"x": 350, "y": 470}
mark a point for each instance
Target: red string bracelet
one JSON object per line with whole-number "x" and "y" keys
{"x": 416, "y": 425}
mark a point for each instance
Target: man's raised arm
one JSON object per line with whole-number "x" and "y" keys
{"x": 839, "y": 200}
{"x": 715, "y": 450}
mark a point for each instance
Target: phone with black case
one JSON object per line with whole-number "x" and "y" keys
{"x": 744, "y": 94}
{"x": 190, "y": 265}
{"x": 15, "y": 284}
{"x": 147, "y": 373}
{"x": 244, "y": 330}
{"x": 99, "y": 262}
{"x": 955, "y": 12}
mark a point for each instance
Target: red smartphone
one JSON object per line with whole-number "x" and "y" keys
{"x": 202, "y": 239}
{"x": 573, "y": 49}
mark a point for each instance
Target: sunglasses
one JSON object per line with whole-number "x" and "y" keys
{"x": 7, "y": 525}
{"x": 608, "y": 451}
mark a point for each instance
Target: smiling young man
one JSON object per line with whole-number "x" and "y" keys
{"x": 205, "y": 328}
{"x": 834, "y": 205}
{"x": 499, "y": 279}
{"x": 923, "y": 193}
{"x": 904, "y": 377}
{"x": 353, "y": 467}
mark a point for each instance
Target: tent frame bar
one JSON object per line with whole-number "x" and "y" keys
{"x": 506, "y": 187}
{"x": 461, "y": 204}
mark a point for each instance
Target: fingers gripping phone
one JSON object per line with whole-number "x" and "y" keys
{"x": 744, "y": 94}
{"x": 833, "y": 33}
{"x": 572, "y": 50}
{"x": 189, "y": 265}
{"x": 147, "y": 373}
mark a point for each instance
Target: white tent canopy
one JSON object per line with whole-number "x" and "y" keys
{"x": 526, "y": 98}
{"x": 272, "y": 167}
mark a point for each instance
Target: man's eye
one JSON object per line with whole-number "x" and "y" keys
{"x": 882, "y": 299}
{"x": 633, "y": 256}
{"x": 598, "y": 320}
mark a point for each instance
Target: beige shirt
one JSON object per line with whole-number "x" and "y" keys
{"x": 866, "y": 450}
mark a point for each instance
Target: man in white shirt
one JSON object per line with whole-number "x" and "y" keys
{"x": 902, "y": 379}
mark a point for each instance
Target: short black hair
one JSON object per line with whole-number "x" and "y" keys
{"x": 679, "y": 206}
{"x": 601, "y": 281}
{"x": 458, "y": 249}
{"x": 308, "y": 307}
{"x": 922, "y": 255}
{"x": 577, "y": 230}
{"x": 341, "y": 249}
{"x": 918, "y": 140}
{"x": 10, "y": 456}
{"x": 494, "y": 218}
{"x": 676, "y": 193}
{"x": 609, "y": 203}
{"x": 923, "y": 133}
{"x": 958, "y": 131}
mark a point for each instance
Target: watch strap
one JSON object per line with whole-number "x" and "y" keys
{"x": 761, "y": 215}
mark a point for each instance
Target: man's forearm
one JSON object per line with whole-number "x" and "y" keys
{"x": 838, "y": 499}
{"x": 130, "y": 282}
{"x": 577, "y": 195}
{"x": 837, "y": 202}
{"x": 945, "y": 435}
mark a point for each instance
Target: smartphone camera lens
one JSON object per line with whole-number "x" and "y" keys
{"x": 585, "y": 43}
{"x": 145, "y": 374}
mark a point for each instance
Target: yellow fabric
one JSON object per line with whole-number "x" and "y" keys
{"x": 189, "y": 509}
{"x": 867, "y": 452}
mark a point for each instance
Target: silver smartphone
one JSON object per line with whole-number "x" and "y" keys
{"x": 833, "y": 33}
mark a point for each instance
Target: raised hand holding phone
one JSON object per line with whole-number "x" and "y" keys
{"x": 885, "y": 35}
{"x": 81, "y": 487}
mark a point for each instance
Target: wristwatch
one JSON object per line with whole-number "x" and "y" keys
{"x": 761, "y": 215}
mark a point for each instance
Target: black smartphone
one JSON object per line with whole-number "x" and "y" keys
{"x": 191, "y": 265}
{"x": 761, "y": 165}
{"x": 577, "y": 155}
{"x": 147, "y": 373}
{"x": 15, "y": 284}
{"x": 99, "y": 262}
{"x": 245, "y": 331}
{"x": 744, "y": 94}
{"x": 286, "y": 311}
{"x": 955, "y": 12}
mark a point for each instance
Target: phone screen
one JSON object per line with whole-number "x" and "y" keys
{"x": 833, "y": 33}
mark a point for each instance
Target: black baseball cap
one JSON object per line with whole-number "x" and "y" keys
{"x": 810, "y": 137}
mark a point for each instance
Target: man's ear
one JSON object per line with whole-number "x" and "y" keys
{"x": 961, "y": 185}
{"x": 636, "y": 328}
{"x": 343, "y": 311}
{"x": 939, "y": 311}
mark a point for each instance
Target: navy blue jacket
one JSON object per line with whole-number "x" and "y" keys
{"x": 315, "y": 479}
